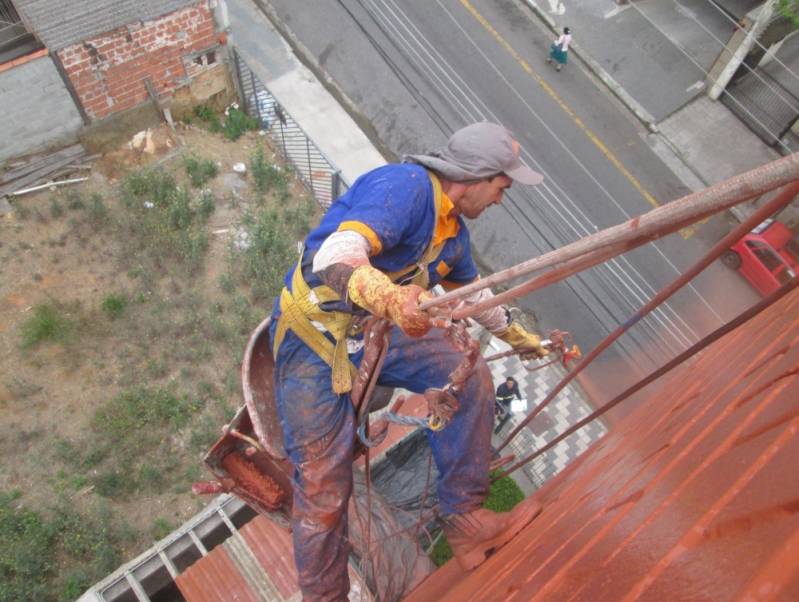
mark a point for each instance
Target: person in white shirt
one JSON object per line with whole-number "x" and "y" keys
{"x": 559, "y": 50}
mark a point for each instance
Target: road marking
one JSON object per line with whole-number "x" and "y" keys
{"x": 696, "y": 86}
{"x": 556, "y": 7}
{"x": 615, "y": 11}
{"x": 562, "y": 104}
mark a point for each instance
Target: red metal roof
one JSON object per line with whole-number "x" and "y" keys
{"x": 695, "y": 496}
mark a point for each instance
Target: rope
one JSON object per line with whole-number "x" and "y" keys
{"x": 394, "y": 419}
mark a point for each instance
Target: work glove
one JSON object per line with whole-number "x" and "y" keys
{"x": 518, "y": 338}
{"x": 373, "y": 290}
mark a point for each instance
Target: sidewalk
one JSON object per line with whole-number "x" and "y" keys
{"x": 654, "y": 56}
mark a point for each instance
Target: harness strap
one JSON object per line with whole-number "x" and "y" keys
{"x": 300, "y": 308}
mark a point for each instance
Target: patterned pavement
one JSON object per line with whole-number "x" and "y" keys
{"x": 566, "y": 409}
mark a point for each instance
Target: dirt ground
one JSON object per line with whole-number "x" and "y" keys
{"x": 49, "y": 254}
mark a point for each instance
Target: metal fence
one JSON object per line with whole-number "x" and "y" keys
{"x": 316, "y": 171}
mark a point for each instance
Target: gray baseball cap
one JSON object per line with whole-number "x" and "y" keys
{"x": 478, "y": 151}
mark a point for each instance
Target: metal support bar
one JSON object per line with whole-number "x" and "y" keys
{"x": 774, "y": 205}
{"x": 685, "y": 355}
{"x": 647, "y": 227}
{"x": 200, "y": 545}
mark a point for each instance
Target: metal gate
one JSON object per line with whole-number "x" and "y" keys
{"x": 767, "y": 107}
{"x": 316, "y": 171}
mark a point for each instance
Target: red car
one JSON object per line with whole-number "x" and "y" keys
{"x": 767, "y": 257}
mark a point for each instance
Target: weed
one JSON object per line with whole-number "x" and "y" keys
{"x": 237, "y": 123}
{"x": 46, "y": 324}
{"x": 114, "y": 305}
{"x": 206, "y": 204}
{"x": 137, "y": 418}
{"x": 98, "y": 212}
{"x": 161, "y": 224}
{"x": 503, "y": 495}
{"x": 207, "y": 115}
{"x": 199, "y": 170}
{"x": 113, "y": 484}
{"x": 74, "y": 200}
{"x": 161, "y": 528}
{"x": 56, "y": 210}
{"x": 33, "y": 544}
{"x": 268, "y": 255}
{"x": 267, "y": 176}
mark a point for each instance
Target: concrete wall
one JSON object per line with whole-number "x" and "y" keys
{"x": 108, "y": 72}
{"x": 37, "y": 108}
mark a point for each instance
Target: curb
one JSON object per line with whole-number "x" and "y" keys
{"x": 642, "y": 114}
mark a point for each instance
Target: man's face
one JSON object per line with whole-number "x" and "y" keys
{"x": 478, "y": 196}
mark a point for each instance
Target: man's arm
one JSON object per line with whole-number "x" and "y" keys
{"x": 342, "y": 263}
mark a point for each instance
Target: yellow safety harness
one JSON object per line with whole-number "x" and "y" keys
{"x": 300, "y": 310}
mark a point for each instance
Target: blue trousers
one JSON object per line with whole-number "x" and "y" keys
{"x": 319, "y": 434}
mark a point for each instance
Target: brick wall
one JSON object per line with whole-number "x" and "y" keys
{"x": 37, "y": 110}
{"x": 108, "y": 71}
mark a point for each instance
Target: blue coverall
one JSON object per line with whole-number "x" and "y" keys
{"x": 393, "y": 207}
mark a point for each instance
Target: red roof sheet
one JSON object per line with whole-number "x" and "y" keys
{"x": 694, "y": 496}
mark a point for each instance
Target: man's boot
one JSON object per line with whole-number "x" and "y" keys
{"x": 472, "y": 535}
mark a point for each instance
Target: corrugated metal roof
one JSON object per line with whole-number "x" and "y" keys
{"x": 256, "y": 563}
{"x": 693, "y": 497}
{"x": 59, "y": 24}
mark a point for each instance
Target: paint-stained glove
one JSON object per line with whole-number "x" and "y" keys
{"x": 518, "y": 338}
{"x": 373, "y": 290}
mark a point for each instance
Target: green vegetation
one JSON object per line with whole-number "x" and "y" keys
{"x": 502, "y": 497}
{"x": 33, "y": 544}
{"x": 114, "y": 305}
{"x": 790, "y": 10}
{"x": 237, "y": 123}
{"x": 200, "y": 171}
{"x": 47, "y": 323}
{"x": 162, "y": 224}
{"x": 157, "y": 344}
{"x": 269, "y": 177}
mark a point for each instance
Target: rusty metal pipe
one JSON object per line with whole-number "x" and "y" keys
{"x": 651, "y": 225}
{"x": 774, "y": 205}
{"x": 568, "y": 268}
{"x": 687, "y": 354}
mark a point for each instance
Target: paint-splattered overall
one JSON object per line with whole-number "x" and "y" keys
{"x": 318, "y": 425}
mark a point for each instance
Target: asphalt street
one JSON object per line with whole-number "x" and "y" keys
{"x": 416, "y": 70}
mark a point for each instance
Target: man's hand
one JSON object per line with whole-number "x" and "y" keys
{"x": 518, "y": 338}
{"x": 373, "y": 290}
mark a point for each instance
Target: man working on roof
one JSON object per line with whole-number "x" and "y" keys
{"x": 396, "y": 233}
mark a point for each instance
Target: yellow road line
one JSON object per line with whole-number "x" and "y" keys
{"x": 566, "y": 108}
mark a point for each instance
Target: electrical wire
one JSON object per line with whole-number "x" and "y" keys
{"x": 413, "y": 40}
{"x": 756, "y": 41}
{"x": 706, "y": 73}
{"x": 751, "y": 70}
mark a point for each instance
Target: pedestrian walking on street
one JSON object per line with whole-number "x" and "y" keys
{"x": 559, "y": 51}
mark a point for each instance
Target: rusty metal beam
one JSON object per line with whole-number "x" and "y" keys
{"x": 774, "y": 205}
{"x": 647, "y": 227}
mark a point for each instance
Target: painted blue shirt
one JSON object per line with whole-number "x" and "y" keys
{"x": 393, "y": 207}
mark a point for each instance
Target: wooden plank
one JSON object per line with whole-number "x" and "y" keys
{"x": 37, "y": 162}
{"x": 41, "y": 174}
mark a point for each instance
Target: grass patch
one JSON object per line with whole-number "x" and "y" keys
{"x": 503, "y": 495}
{"x": 47, "y": 323}
{"x": 162, "y": 224}
{"x": 267, "y": 176}
{"x": 113, "y": 306}
{"x": 200, "y": 171}
{"x": 58, "y": 554}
